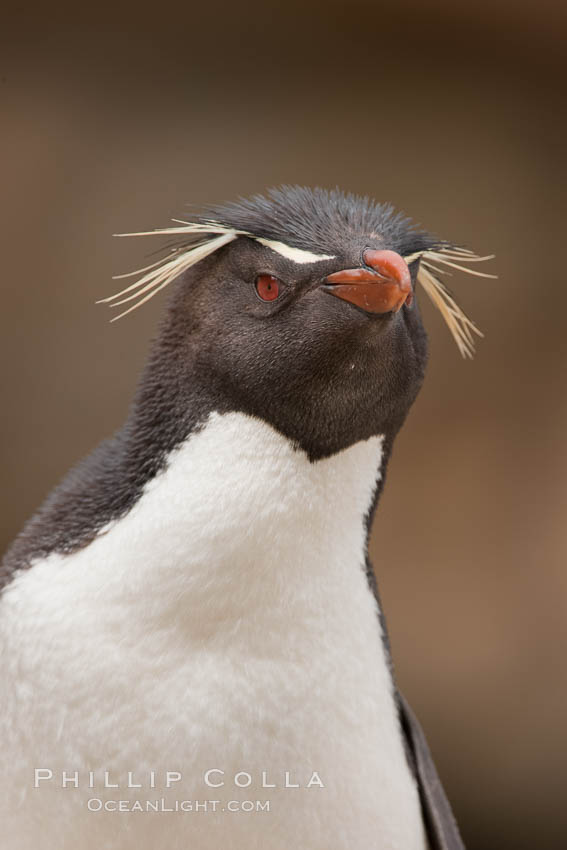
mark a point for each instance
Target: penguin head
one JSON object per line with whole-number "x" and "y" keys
{"x": 299, "y": 308}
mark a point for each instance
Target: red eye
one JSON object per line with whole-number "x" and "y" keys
{"x": 267, "y": 287}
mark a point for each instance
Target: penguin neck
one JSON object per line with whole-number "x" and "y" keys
{"x": 173, "y": 412}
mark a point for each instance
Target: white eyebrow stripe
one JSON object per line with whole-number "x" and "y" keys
{"x": 297, "y": 255}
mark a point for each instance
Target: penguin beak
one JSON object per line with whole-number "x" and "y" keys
{"x": 384, "y": 286}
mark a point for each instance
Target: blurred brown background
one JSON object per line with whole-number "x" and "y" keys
{"x": 114, "y": 117}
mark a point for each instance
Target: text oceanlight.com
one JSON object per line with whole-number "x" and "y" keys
{"x": 95, "y": 804}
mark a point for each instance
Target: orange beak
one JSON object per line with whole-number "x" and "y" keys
{"x": 384, "y": 287}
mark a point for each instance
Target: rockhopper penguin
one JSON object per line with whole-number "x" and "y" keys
{"x": 191, "y": 617}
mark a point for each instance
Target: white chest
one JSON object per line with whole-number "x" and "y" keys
{"x": 224, "y": 624}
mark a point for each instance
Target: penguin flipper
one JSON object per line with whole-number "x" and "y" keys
{"x": 442, "y": 830}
